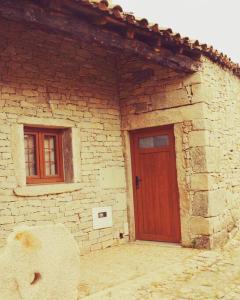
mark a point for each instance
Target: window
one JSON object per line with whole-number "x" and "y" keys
{"x": 154, "y": 142}
{"x": 43, "y": 155}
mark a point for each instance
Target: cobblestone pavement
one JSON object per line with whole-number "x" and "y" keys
{"x": 151, "y": 271}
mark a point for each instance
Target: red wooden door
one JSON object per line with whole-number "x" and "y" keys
{"x": 157, "y": 214}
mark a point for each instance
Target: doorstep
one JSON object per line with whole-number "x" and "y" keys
{"x": 160, "y": 244}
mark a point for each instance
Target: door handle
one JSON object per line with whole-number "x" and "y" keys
{"x": 137, "y": 181}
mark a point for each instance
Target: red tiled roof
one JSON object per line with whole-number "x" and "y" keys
{"x": 166, "y": 35}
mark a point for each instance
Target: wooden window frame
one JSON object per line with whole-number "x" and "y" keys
{"x": 41, "y": 176}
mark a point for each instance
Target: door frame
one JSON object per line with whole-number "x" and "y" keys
{"x": 132, "y": 214}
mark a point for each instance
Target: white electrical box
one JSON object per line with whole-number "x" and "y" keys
{"x": 102, "y": 217}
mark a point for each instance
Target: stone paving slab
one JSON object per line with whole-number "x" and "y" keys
{"x": 151, "y": 271}
{"x": 148, "y": 271}
{"x": 123, "y": 265}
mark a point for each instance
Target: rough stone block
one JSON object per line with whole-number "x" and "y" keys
{"x": 219, "y": 239}
{"x": 6, "y": 220}
{"x": 200, "y": 204}
{"x": 214, "y": 163}
{"x": 198, "y": 138}
{"x": 217, "y": 202}
{"x": 198, "y": 159}
{"x": 112, "y": 177}
{"x": 200, "y": 226}
{"x": 167, "y": 99}
{"x": 199, "y": 182}
{"x": 202, "y": 242}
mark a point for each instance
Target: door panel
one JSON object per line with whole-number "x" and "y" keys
{"x": 155, "y": 194}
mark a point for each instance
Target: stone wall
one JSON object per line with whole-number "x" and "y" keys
{"x": 205, "y": 111}
{"x": 48, "y": 79}
{"x": 221, "y": 92}
{"x": 160, "y": 97}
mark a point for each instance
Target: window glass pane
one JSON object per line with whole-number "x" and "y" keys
{"x": 53, "y": 169}
{"x": 47, "y": 169}
{"x": 30, "y": 154}
{"x": 154, "y": 141}
{"x": 50, "y": 155}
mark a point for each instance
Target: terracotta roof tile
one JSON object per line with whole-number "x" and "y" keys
{"x": 166, "y": 34}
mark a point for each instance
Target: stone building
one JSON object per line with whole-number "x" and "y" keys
{"x": 115, "y": 127}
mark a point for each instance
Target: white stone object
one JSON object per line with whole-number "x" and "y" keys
{"x": 40, "y": 262}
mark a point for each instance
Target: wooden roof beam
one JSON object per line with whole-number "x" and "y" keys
{"x": 26, "y": 11}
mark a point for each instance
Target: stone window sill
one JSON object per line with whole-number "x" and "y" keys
{"x": 46, "y": 189}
